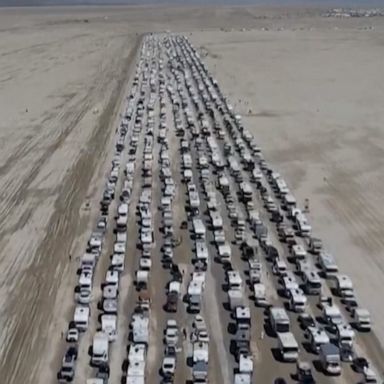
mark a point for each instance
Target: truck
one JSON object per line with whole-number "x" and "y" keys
{"x": 200, "y": 357}
{"x": 330, "y": 359}
{"x": 100, "y": 349}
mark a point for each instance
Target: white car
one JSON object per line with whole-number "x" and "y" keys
{"x": 169, "y": 365}
{"x": 202, "y": 336}
{"x": 199, "y": 323}
{"x": 171, "y": 333}
{"x": 72, "y": 335}
{"x": 84, "y": 296}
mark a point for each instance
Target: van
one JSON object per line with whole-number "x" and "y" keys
{"x": 288, "y": 346}
{"x": 100, "y": 349}
{"x": 81, "y": 318}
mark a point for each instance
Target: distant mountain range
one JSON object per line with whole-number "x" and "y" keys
{"x": 354, "y": 3}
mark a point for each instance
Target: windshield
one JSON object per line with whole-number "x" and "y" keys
{"x": 282, "y": 327}
{"x": 290, "y": 350}
{"x": 314, "y": 284}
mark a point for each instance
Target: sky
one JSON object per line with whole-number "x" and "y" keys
{"x": 346, "y": 3}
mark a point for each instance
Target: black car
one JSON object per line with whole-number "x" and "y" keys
{"x": 72, "y": 352}
{"x": 306, "y": 321}
{"x": 359, "y": 363}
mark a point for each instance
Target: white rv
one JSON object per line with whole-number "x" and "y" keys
{"x": 279, "y": 320}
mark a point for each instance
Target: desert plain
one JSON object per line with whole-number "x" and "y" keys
{"x": 309, "y": 89}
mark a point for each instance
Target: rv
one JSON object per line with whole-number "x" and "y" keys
{"x": 279, "y": 320}
{"x": 297, "y": 300}
{"x": 327, "y": 264}
{"x": 117, "y": 262}
{"x": 140, "y": 328}
{"x": 344, "y": 286}
{"x": 109, "y": 326}
{"x": 194, "y": 296}
{"x": 243, "y": 317}
{"x": 345, "y": 335}
{"x": 311, "y": 282}
{"x": 235, "y": 298}
{"x": 260, "y": 295}
{"x": 199, "y": 229}
{"x": 316, "y": 338}
{"x": 332, "y": 315}
{"x": 246, "y": 364}
{"x": 225, "y": 253}
{"x": 298, "y": 252}
{"x": 289, "y": 283}
{"x": 234, "y": 280}
{"x": 362, "y": 319}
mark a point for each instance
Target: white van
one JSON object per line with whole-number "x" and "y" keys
{"x": 288, "y": 346}
{"x": 81, "y": 318}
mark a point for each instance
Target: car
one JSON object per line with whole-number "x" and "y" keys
{"x": 306, "y": 321}
{"x": 171, "y": 333}
{"x": 72, "y": 335}
{"x": 201, "y": 336}
{"x": 168, "y": 366}
{"x": 67, "y": 371}
{"x": 199, "y": 323}
{"x": 169, "y": 351}
{"x": 359, "y": 364}
{"x": 72, "y": 352}
{"x": 304, "y": 373}
{"x": 167, "y": 252}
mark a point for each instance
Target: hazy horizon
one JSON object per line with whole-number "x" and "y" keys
{"x": 330, "y": 3}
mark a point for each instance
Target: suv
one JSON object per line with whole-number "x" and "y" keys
{"x": 67, "y": 371}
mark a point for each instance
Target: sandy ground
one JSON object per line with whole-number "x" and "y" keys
{"x": 58, "y": 90}
{"x": 313, "y": 100}
{"x": 314, "y": 92}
